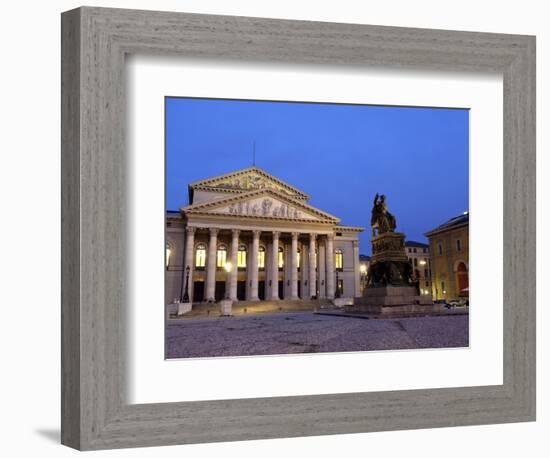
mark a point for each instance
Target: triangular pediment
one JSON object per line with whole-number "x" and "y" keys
{"x": 249, "y": 179}
{"x": 263, "y": 203}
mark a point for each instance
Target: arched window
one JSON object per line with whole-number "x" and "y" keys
{"x": 339, "y": 259}
{"x": 200, "y": 255}
{"x": 281, "y": 258}
{"x": 168, "y": 253}
{"x": 241, "y": 257}
{"x": 261, "y": 257}
{"x": 221, "y": 257}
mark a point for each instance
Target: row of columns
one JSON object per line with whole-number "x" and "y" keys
{"x": 253, "y": 263}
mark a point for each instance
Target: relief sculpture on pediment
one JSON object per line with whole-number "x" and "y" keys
{"x": 248, "y": 183}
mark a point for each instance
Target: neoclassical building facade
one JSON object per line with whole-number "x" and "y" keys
{"x": 248, "y": 235}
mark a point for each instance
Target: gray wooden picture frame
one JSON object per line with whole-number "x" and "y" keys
{"x": 95, "y": 412}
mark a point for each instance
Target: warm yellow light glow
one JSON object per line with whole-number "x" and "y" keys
{"x": 168, "y": 252}
{"x": 241, "y": 257}
{"x": 200, "y": 256}
{"x": 422, "y": 263}
{"x": 339, "y": 261}
{"x": 261, "y": 258}
{"x": 221, "y": 257}
{"x": 363, "y": 268}
{"x": 281, "y": 258}
{"x": 228, "y": 267}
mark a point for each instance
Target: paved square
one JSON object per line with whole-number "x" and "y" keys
{"x": 305, "y": 332}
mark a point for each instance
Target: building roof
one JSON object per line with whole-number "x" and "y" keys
{"x": 339, "y": 228}
{"x": 457, "y": 221}
{"x": 223, "y": 207}
{"x": 364, "y": 257}
{"x": 412, "y": 243}
{"x": 244, "y": 180}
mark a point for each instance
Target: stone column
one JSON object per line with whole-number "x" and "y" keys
{"x": 331, "y": 288}
{"x": 304, "y": 271}
{"x": 356, "y": 266}
{"x": 253, "y": 266}
{"x": 234, "y": 268}
{"x": 188, "y": 260}
{"x": 321, "y": 269}
{"x": 312, "y": 264}
{"x": 294, "y": 267}
{"x": 211, "y": 265}
{"x": 275, "y": 267}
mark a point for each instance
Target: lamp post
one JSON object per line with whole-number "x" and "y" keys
{"x": 185, "y": 296}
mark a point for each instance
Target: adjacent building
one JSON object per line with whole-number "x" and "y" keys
{"x": 449, "y": 258}
{"x": 418, "y": 254}
{"x": 247, "y": 235}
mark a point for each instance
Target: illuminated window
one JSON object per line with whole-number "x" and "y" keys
{"x": 281, "y": 258}
{"x": 200, "y": 255}
{"x": 339, "y": 259}
{"x": 261, "y": 258}
{"x": 168, "y": 253}
{"x": 241, "y": 257}
{"x": 221, "y": 256}
{"x": 298, "y": 258}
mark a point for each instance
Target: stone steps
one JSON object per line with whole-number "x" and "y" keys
{"x": 251, "y": 307}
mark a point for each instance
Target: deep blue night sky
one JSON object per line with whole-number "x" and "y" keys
{"x": 341, "y": 155}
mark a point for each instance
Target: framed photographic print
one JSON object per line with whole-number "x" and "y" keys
{"x": 280, "y": 228}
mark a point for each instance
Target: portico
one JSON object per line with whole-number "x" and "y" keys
{"x": 249, "y": 236}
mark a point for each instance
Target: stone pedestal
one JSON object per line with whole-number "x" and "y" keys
{"x": 184, "y": 307}
{"x": 341, "y": 302}
{"x": 387, "y": 300}
{"x": 390, "y": 289}
{"x": 226, "y": 307}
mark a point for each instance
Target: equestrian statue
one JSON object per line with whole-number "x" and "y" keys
{"x": 382, "y": 220}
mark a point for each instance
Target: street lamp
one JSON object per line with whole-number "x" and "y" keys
{"x": 185, "y": 296}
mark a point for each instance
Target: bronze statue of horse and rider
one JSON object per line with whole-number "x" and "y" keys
{"x": 382, "y": 220}
{"x": 383, "y": 272}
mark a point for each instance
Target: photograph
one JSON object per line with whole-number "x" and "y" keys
{"x": 299, "y": 227}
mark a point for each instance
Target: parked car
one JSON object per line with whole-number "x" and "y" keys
{"x": 458, "y": 302}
